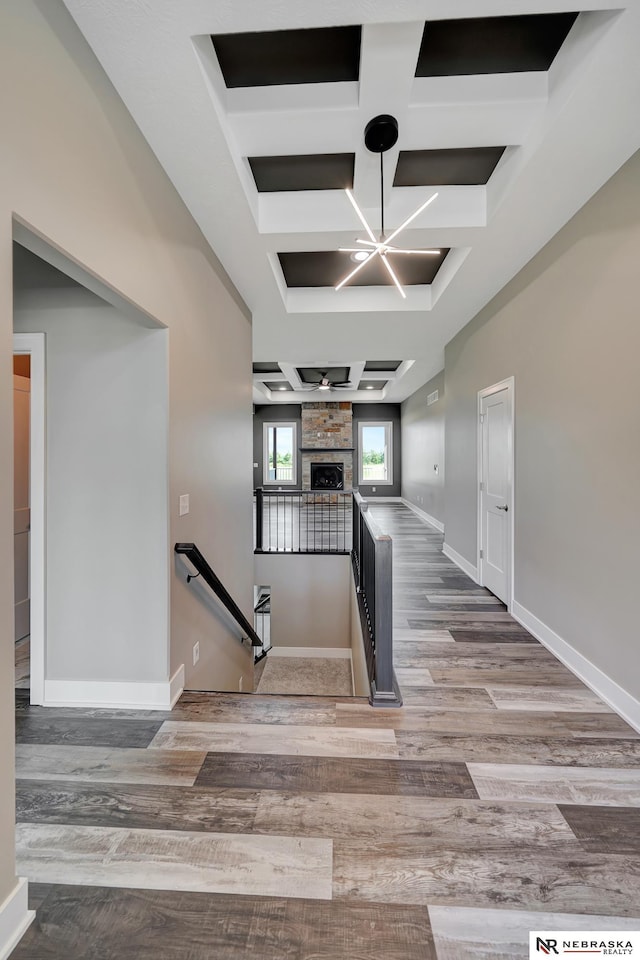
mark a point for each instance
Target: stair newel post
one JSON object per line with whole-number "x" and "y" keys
{"x": 259, "y": 518}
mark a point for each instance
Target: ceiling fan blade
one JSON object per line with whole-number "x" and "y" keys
{"x": 430, "y": 253}
{"x": 393, "y": 276}
{"x": 362, "y": 264}
{"x": 412, "y": 217}
{"x": 360, "y": 215}
{"x": 346, "y": 383}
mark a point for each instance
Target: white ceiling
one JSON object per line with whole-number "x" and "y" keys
{"x": 567, "y": 132}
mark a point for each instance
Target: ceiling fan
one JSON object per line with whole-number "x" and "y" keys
{"x": 380, "y": 135}
{"x": 326, "y": 384}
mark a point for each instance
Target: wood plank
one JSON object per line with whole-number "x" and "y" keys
{"x": 582, "y": 785}
{"x": 531, "y": 878}
{"x": 100, "y": 764}
{"x": 479, "y": 723}
{"x": 140, "y": 806}
{"x": 85, "y": 731}
{"x": 580, "y": 752}
{"x": 268, "y": 738}
{"x": 175, "y": 860}
{"x": 465, "y": 933}
{"x": 76, "y": 922}
{"x": 336, "y": 775}
{"x": 601, "y": 829}
{"x": 437, "y": 823}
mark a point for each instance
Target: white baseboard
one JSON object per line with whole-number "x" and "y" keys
{"x": 424, "y": 515}
{"x": 460, "y": 561}
{"x": 607, "y": 689}
{"x": 115, "y": 694}
{"x": 15, "y": 918}
{"x": 383, "y": 499}
{"x": 327, "y": 653}
{"x": 176, "y": 686}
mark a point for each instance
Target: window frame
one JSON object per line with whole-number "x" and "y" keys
{"x": 265, "y": 453}
{"x": 388, "y": 428}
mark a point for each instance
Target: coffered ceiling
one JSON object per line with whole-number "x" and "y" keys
{"x": 357, "y": 380}
{"x": 515, "y": 112}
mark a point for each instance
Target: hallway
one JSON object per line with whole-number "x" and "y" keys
{"x": 503, "y": 797}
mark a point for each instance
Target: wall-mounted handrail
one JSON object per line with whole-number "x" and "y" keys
{"x": 192, "y": 553}
{"x": 372, "y": 570}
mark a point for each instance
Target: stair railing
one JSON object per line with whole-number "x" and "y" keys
{"x": 191, "y": 552}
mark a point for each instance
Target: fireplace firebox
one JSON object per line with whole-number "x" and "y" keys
{"x": 327, "y": 476}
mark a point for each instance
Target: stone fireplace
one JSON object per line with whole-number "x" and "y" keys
{"x": 327, "y": 441}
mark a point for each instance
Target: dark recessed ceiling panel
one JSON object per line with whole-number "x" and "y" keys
{"x": 467, "y": 165}
{"x": 266, "y": 366}
{"x": 326, "y": 268}
{"x": 315, "y": 374}
{"x": 492, "y": 44}
{"x": 278, "y": 385}
{"x": 372, "y": 384}
{"x": 372, "y": 365}
{"x": 322, "y": 55}
{"x": 321, "y": 171}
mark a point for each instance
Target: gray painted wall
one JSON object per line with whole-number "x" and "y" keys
{"x": 423, "y": 448}
{"x": 90, "y": 184}
{"x": 265, "y": 413}
{"x": 567, "y": 329}
{"x": 106, "y": 488}
{"x": 310, "y": 604}
{"x": 362, "y": 412}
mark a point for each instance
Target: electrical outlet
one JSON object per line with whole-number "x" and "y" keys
{"x": 184, "y": 504}
{"x": 240, "y": 684}
{"x": 373, "y": 489}
{"x": 436, "y": 468}
{"x": 196, "y": 652}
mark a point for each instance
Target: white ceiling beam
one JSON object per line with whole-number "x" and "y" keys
{"x": 325, "y": 300}
{"x": 388, "y": 58}
{"x": 475, "y": 122}
{"x": 312, "y": 212}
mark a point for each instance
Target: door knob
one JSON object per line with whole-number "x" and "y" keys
{"x": 505, "y": 508}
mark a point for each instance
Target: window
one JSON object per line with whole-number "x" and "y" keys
{"x": 376, "y": 457}
{"x": 279, "y": 452}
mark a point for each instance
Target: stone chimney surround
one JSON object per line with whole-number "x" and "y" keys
{"x": 327, "y": 437}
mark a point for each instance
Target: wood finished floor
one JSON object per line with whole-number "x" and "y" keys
{"x": 503, "y": 797}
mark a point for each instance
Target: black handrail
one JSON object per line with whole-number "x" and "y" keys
{"x": 204, "y": 570}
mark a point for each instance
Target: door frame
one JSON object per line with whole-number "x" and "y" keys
{"x": 34, "y": 345}
{"x": 507, "y": 384}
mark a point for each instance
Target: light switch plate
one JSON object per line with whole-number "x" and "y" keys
{"x": 184, "y": 504}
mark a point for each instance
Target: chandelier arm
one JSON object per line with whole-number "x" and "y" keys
{"x": 368, "y": 243}
{"x": 393, "y": 276}
{"x": 357, "y": 269}
{"x": 412, "y": 217}
{"x": 430, "y": 253}
{"x": 360, "y": 215}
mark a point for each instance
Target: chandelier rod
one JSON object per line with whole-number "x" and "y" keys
{"x": 381, "y": 196}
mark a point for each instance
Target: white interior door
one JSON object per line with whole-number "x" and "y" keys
{"x": 496, "y": 489}
{"x": 21, "y": 505}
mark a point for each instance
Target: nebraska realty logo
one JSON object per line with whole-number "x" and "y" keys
{"x": 564, "y": 943}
